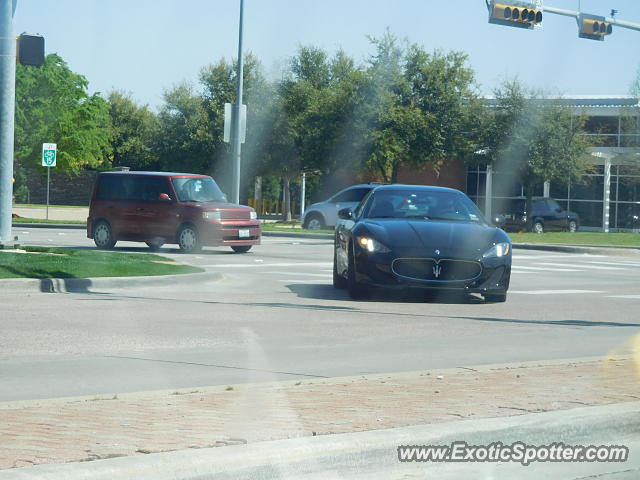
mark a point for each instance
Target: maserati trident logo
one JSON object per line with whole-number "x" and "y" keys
{"x": 437, "y": 269}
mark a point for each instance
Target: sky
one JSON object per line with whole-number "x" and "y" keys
{"x": 144, "y": 47}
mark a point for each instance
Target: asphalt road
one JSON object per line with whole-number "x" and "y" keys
{"x": 275, "y": 316}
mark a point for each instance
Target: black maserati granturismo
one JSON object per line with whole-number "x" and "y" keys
{"x": 412, "y": 236}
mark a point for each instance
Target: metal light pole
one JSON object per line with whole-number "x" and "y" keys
{"x": 237, "y": 145}
{"x": 7, "y": 113}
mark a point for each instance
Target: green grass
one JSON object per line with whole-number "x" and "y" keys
{"x": 45, "y": 262}
{"x": 579, "y": 238}
{"x": 30, "y": 205}
{"x": 53, "y": 222}
{"x": 292, "y": 228}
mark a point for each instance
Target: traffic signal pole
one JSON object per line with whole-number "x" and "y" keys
{"x": 7, "y": 114}
{"x": 237, "y": 139}
{"x": 576, "y": 15}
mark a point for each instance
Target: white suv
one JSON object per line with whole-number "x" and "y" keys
{"x": 325, "y": 214}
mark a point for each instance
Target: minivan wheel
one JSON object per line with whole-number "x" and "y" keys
{"x": 103, "y": 236}
{"x": 538, "y": 227}
{"x": 573, "y": 226}
{"x": 314, "y": 222}
{"x": 241, "y": 248}
{"x": 188, "y": 239}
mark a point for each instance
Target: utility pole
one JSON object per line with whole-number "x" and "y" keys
{"x": 7, "y": 114}
{"x": 237, "y": 141}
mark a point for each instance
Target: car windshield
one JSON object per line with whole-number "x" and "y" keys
{"x": 197, "y": 190}
{"x": 422, "y": 204}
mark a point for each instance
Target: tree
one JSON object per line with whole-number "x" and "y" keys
{"x": 420, "y": 108}
{"x": 535, "y": 139}
{"x": 52, "y": 105}
{"x": 133, "y": 130}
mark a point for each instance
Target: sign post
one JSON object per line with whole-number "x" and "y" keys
{"x": 49, "y": 159}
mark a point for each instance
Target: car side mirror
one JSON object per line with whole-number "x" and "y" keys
{"x": 345, "y": 214}
{"x": 163, "y": 197}
{"x": 499, "y": 220}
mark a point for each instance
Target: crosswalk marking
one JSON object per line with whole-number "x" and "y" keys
{"x": 553, "y": 292}
{"x": 582, "y": 265}
{"x": 628, "y": 264}
{"x": 325, "y": 275}
{"x": 635, "y": 297}
{"x": 254, "y": 265}
{"x": 545, "y": 269}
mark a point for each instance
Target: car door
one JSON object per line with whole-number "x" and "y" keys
{"x": 542, "y": 212}
{"x": 156, "y": 217}
{"x": 559, "y": 216}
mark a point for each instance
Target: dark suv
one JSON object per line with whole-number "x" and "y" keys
{"x": 547, "y": 216}
{"x": 159, "y": 207}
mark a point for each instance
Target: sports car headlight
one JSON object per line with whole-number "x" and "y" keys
{"x": 371, "y": 245}
{"x": 212, "y": 215}
{"x": 498, "y": 250}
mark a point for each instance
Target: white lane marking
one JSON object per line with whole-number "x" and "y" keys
{"x": 582, "y": 265}
{"x": 573, "y": 255}
{"x": 303, "y": 274}
{"x": 61, "y": 233}
{"x": 304, "y": 281}
{"x": 628, "y": 264}
{"x": 520, "y": 267}
{"x": 248, "y": 265}
{"x": 635, "y": 297}
{"x": 25, "y": 233}
{"x": 553, "y": 292}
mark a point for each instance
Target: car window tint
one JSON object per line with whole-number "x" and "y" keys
{"x": 149, "y": 188}
{"x": 110, "y": 187}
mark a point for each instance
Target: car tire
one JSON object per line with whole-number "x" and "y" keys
{"x": 241, "y": 248}
{"x": 188, "y": 239}
{"x": 103, "y": 235}
{"x": 495, "y": 297}
{"x": 154, "y": 246}
{"x": 339, "y": 281}
{"x": 538, "y": 227}
{"x": 356, "y": 291}
{"x": 314, "y": 221}
{"x": 573, "y": 226}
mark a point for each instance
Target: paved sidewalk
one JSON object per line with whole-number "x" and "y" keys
{"x": 55, "y": 213}
{"x": 77, "y": 429}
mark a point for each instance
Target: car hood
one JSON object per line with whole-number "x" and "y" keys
{"x": 459, "y": 239}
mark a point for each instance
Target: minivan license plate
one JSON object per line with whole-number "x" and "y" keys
{"x": 245, "y": 233}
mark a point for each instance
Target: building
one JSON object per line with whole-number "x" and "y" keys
{"x": 608, "y": 197}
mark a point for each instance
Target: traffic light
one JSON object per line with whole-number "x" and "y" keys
{"x": 521, "y": 14}
{"x": 593, "y": 27}
{"x": 30, "y": 50}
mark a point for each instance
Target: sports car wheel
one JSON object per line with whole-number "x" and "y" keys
{"x": 338, "y": 280}
{"x": 355, "y": 290}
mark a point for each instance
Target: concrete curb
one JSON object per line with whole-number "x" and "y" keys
{"x": 85, "y": 285}
{"x": 373, "y": 454}
{"x": 50, "y": 225}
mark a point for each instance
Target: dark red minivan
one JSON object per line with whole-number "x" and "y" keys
{"x": 159, "y": 207}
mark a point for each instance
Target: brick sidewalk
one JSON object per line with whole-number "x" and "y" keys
{"x": 65, "y": 430}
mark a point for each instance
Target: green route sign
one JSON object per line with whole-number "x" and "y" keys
{"x": 49, "y": 154}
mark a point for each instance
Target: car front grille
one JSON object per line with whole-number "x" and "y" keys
{"x": 437, "y": 270}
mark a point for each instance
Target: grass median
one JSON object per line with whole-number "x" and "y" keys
{"x": 45, "y": 262}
